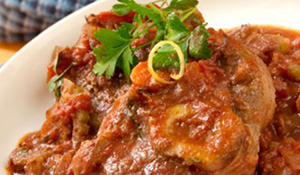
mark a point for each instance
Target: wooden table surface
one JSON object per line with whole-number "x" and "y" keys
{"x": 7, "y": 50}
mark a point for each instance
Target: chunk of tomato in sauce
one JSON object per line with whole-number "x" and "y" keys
{"x": 111, "y": 20}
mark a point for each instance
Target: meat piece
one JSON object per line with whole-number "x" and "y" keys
{"x": 122, "y": 147}
{"x": 280, "y": 139}
{"x": 251, "y": 83}
{"x": 208, "y": 122}
{"x": 103, "y": 92}
{"x": 252, "y": 90}
{"x": 261, "y": 43}
{"x": 51, "y": 149}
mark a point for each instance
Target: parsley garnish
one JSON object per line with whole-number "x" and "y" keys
{"x": 112, "y": 50}
{"x": 116, "y": 50}
{"x": 55, "y": 82}
{"x": 198, "y": 46}
{"x": 177, "y": 32}
{"x": 182, "y": 4}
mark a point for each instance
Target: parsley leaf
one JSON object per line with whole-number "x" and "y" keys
{"x": 165, "y": 57}
{"x": 55, "y": 82}
{"x": 125, "y": 30}
{"x": 142, "y": 10}
{"x": 198, "y": 46}
{"x": 116, "y": 46}
{"x": 182, "y": 4}
{"x": 110, "y": 38}
{"x": 108, "y": 62}
{"x": 121, "y": 9}
{"x": 126, "y": 62}
{"x": 175, "y": 31}
{"x": 54, "y": 85}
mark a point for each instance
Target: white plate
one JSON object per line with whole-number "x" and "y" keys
{"x": 23, "y": 93}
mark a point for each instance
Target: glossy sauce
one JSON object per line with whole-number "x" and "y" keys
{"x": 205, "y": 123}
{"x": 280, "y": 140}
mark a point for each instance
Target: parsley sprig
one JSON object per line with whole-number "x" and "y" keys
{"x": 116, "y": 50}
{"x": 55, "y": 82}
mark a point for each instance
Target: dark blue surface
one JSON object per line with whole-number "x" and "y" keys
{"x": 21, "y": 20}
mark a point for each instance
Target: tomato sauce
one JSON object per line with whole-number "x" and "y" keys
{"x": 219, "y": 118}
{"x": 280, "y": 140}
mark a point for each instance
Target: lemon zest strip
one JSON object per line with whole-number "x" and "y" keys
{"x": 181, "y": 62}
